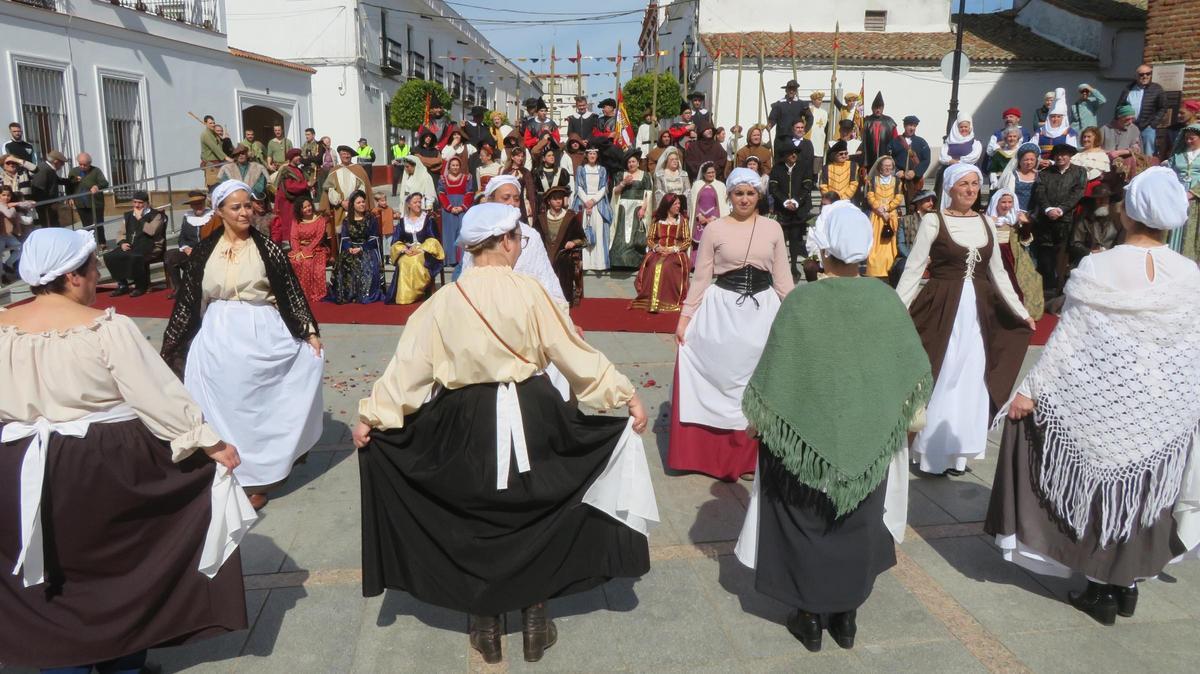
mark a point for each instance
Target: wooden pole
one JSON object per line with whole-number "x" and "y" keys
{"x": 737, "y": 109}
{"x": 553, "y": 103}
{"x": 831, "y": 124}
{"x": 618, "y": 87}
{"x": 792, "y": 45}
{"x": 762, "y": 87}
{"x": 654, "y": 85}
{"x": 578, "y": 70}
{"x": 717, "y": 88}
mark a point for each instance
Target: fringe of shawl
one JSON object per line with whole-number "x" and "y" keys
{"x": 1070, "y": 482}
{"x": 806, "y": 462}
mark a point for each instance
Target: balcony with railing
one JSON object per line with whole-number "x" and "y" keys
{"x": 204, "y": 14}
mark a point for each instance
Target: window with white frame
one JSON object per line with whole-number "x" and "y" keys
{"x": 123, "y": 131}
{"x": 42, "y": 94}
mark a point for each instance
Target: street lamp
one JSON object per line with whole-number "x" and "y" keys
{"x": 689, "y": 48}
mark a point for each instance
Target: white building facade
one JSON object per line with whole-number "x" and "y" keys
{"x": 895, "y": 47}
{"x": 363, "y": 51}
{"x": 119, "y": 83}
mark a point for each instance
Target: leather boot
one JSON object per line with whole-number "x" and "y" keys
{"x": 1126, "y": 599}
{"x": 1097, "y": 601}
{"x": 538, "y": 631}
{"x": 485, "y": 634}
{"x": 806, "y": 627}
{"x": 842, "y": 628}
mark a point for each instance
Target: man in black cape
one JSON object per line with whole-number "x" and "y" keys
{"x": 582, "y": 122}
{"x": 790, "y": 185}
{"x": 475, "y": 130}
{"x": 787, "y": 110}
{"x": 878, "y": 132}
{"x": 701, "y": 116}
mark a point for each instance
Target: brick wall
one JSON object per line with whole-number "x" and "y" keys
{"x": 1173, "y": 34}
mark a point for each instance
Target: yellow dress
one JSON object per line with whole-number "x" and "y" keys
{"x": 412, "y": 275}
{"x": 884, "y": 251}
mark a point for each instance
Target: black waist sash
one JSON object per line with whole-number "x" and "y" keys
{"x": 746, "y": 281}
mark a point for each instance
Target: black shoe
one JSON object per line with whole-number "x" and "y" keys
{"x": 1097, "y": 601}
{"x": 1126, "y": 599}
{"x": 538, "y": 631}
{"x": 138, "y": 292}
{"x": 121, "y": 289}
{"x": 806, "y": 627}
{"x": 485, "y": 636}
{"x": 843, "y": 628}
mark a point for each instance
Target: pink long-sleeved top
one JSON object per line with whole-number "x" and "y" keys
{"x": 728, "y": 244}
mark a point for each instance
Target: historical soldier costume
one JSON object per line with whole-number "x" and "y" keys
{"x": 787, "y": 110}
{"x": 475, "y": 130}
{"x": 878, "y": 132}
{"x": 1058, "y": 190}
{"x": 582, "y": 123}
{"x": 791, "y": 184}
{"x": 912, "y": 156}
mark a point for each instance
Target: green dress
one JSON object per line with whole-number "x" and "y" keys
{"x": 629, "y": 231}
{"x": 1186, "y": 239}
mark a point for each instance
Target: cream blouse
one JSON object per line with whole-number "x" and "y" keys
{"x": 239, "y": 275}
{"x": 446, "y": 343}
{"x": 64, "y": 375}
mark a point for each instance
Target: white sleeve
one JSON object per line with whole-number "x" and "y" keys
{"x": 918, "y": 259}
{"x": 974, "y": 155}
{"x": 944, "y": 154}
{"x": 536, "y": 263}
{"x": 993, "y": 145}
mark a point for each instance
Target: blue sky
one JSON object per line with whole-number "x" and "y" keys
{"x": 597, "y": 37}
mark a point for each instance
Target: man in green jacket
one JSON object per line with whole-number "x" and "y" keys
{"x": 212, "y": 155}
{"x": 1084, "y": 111}
{"x": 90, "y": 180}
{"x": 277, "y": 149}
{"x": 258, "y": 152}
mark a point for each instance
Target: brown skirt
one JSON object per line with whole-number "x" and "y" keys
{"x": 1018, "y": 508}
{"x": 123, "y": 528}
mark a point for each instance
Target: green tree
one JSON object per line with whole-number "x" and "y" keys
{"x": 408, "y": 105}
{"x": 639, "y": 95}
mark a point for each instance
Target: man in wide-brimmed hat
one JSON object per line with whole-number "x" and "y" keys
{"x": 1058, "y": 191}
{"x": 787, "y": 110}
{"x": 345, "y": 179}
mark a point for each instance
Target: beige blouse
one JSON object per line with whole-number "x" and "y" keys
{"x": 65, "y": 375}
{"x": 239, "y": 275}
{"x": 446, "y": 343}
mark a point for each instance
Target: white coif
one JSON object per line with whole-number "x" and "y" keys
{"x": 258, "y": 386}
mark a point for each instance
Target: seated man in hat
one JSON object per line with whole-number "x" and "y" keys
{"x": 143, "y": 241}
{"x": 840, "y": 174}
{"x": 1058, "y": 191}
{"x": 196, "y": 222}
{"x": 250, "y": 172}
{"x": 1122, "y": 140}
{"x": 787, "y": 110}
{"x": 1010, "y": 118}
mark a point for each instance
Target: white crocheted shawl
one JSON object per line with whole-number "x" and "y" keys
{"x": 1118, "y": 396}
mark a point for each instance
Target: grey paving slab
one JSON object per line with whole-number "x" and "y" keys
{"x": 1000, "y": 595}
{"x": 923, "y": 511}
{"x": 212, "y": 655}
{"x": 1089, "y": 648}
{"x": 964, "y": 498}
{"x": 265, "y": 548}
{"x": 580, "y": 618}
{"x": 400, "y": 634}
{"x": 309, "y": 629}
{"x": 332, "y": 540}
{"x": 707, "y": 509}
{"x": 930, "y": 657}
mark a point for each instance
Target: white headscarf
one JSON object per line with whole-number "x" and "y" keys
{"x": 419, "y": 181}
{"x": 661, "y": 165}
{"x": 849, "y": 235}
{"x": 818, "y": 236}
{"x": 49, "y": 253}
{"x": 221, "y": 192}
{"x": 1009, "y": 218}
{"x": 1154, "y": 198}
{"x": 955, "y": 173}
{"x": 957, "y": 137}
{"x": 483, "y": 221}
{"x": 1059, "y": 108}
{"x": 743, "y": 176}
{"x": 498, "y": 181}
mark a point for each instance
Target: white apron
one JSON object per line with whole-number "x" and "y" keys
{"x": 721, "y": 349}
{"x": 258, "y": 386}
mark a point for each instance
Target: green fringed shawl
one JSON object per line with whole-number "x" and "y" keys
{"x": 841, "y": 377}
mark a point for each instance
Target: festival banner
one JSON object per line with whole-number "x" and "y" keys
{"x": 625, "y": 135}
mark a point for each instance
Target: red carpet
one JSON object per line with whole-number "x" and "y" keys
{"x": 594, "y": 314}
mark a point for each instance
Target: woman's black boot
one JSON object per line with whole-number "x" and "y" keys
{"x": 485, "y": 634}
{"x": 843, "y": 628}
{"x": 1126, "y": 600}
{"x": 806, "y": 627}
{"x": 1097, "y": 601}
{"x": 538, "y": 631}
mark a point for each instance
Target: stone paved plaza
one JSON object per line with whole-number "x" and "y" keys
{"x": 951, "y": 604}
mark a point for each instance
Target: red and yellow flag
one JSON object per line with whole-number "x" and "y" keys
{"x": 625, "y": 134}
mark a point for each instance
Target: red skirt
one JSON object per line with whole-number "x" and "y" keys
{"x": 719, "y": 452}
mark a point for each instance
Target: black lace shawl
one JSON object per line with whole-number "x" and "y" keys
{"x": 185, "y": 319}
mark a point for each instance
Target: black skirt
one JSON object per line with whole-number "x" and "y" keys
{"x": 435, "y": 525}
{"x": 123, "y": 529}
{"x": 807, "y": 557}
{"x": 1018, "y": 508}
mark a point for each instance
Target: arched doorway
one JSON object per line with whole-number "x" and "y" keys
{"x": 262, "y": 120}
